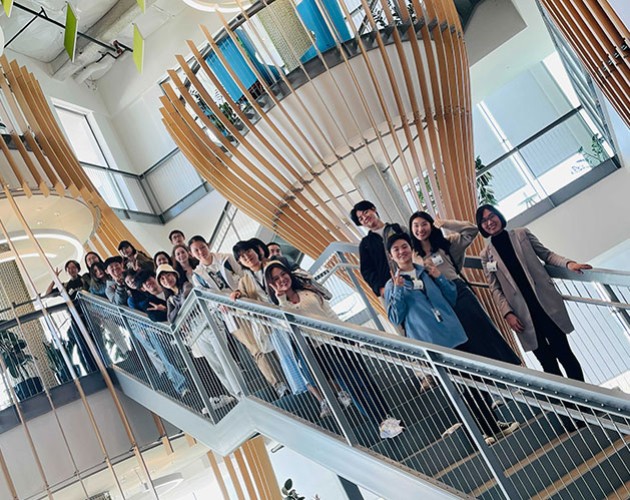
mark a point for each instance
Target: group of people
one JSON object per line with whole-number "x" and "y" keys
{"x": 416, "y": 272}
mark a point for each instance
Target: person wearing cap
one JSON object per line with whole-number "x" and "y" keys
{"x": 525, "y": 293}
{"x": 201, "y": 342}
{"x": 116, "y": 289}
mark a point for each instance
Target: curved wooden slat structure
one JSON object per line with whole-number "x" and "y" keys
{"x": 602, "y": 42}
{"x": 396, "y": 97}
{"x": 45, "y": 162}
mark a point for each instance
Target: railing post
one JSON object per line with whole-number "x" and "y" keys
{"x": 488, "y": 454}
{"x": 222, "y": 349}
{"x": 322, "y": 381}
{"x": 205, "y": 398}
{"x": 360, "y": 291}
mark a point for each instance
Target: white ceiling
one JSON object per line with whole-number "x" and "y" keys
{"x": 104, "y": 20}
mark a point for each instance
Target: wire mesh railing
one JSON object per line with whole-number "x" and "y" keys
{"x": 482, "y": 428}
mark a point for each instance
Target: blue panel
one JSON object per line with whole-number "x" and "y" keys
{"x": 315, "y": 22}
{"x": 238, "y": 65}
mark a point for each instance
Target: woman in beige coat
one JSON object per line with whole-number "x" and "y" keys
{"x": 525, "y": 293}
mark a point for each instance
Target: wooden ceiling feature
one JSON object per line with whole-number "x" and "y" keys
{"x": 601, "y": 41}
{"x": 45, "y": 162}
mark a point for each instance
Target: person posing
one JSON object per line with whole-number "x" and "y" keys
{"x": 524, "y": 292}
{"x": 98, "y": 280}
{"x": 133, "y": 259}
{"x": 160, "y": 258}
{"x": 170, "y": 280}
{"x": 154, "y": 304}
{"x": 447, "y": 253}
{"x": 176, "y": 237}
{"x": 183, "y": 262}
{"x": 116, "y": 289}
{"x": 374, "y": 261}
{"x": 76, "y": 282}
{"x": 422, "y": 298}
{"x": 338, "y": 364}
{"x": 90, "y": 259}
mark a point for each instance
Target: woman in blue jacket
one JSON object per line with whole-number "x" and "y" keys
{"x": 422, "y": 299}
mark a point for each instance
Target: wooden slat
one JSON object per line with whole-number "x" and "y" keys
{"x": 217, "y": 475}
{"x": 236, "y": 482}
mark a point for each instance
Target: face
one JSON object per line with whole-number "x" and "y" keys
{"x": 178, "y": 239}
{"x": 115, "y": 270}
{"x": 91, "y": 258}
{"x": 249, "y": 258}
{"x": 127, "y": 251}
{"x": 281, "y": 280}
{"x": 130, "y": 282}
{"x": 368, "y": 218}
{"x": 401, "y": 252}
{"x": 98, "y": 273}
{"x": 274, "y": 251}
{"x": 151, "y": 286}
{"x": 168, "y": 280}
{"x": 200, "y": 250}
{"x": 421, "y": 228}
{"x": 490, "y": 222}
{"x": 72, "y": 270}
{"x": 181, "y": 255}
{"x": 161, "y": 259}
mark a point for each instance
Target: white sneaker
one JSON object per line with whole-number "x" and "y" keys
{"x": 282, "y": 390}
{"x": 490, "y": 440}
{"x": 451, "y": 430}
{"x": 344, "y": 399}
{"x": 221, "y": 401}
{"x": 390, "y": 428}
{"x": 324, "y": 409}
{"x": 507, "y": 428}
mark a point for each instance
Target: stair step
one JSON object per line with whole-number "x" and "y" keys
{"x": 550, "y": 462}
{"x": 532, "y": 435}
{"x": 417, "y": 436}
{"x": 441, "y": 454}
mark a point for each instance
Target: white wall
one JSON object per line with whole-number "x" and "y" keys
{"x": 133, "y": 99}
{"x": 201, "y": 218}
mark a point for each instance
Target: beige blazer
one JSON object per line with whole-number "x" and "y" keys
{"x": 530, "y": 252}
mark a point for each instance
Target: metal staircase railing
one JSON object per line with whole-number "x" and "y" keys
{"x": 572, "y": 441}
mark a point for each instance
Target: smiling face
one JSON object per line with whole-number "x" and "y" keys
{"x": 421, "y": 228}
{"x": 168, "y": 280}
{"x": 401, "y": 253}
{"x": 491, "y": 223}
{"x": 115, "y": 270}
{"x": 201, "y": 251}
{"x": 151, "y": 286}
{"x": 274, "y": 250}
{"x": 280, "y": 280}
{"x": 161, "y": 259}
{"x": 91, "y": 258}
{"x": 368, "y": 218}
{"x": 249, "y": 259}
{"x": 181, "y": 255}
{"x": 98, "y": 273}
{"x": 72, "y": 270}
{"x": 129, "y": 281}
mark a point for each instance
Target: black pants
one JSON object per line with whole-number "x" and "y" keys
{"x": 554, "y": 349}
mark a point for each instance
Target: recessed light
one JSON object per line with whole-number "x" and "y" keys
{"x": 57, "y": 214}
{"x": 39, "y": 223}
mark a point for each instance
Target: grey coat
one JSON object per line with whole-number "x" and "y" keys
{"x": 530, "y": 252}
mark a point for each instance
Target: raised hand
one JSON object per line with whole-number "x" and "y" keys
{"x": 397, "y": 278}
{"x": 235, "y": 295}
{"x": 432, "y": 269}
{"x": 156, "y": 307}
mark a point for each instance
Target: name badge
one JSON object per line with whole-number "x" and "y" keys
{"x": 418, "y": 284}
{"x": 437, "y": 259}
{"x": 438, "y": 315}
{"x": 491, "y": 267}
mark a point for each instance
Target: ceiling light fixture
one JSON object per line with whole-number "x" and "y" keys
{"x": 26, "y": 256}
{"x": 209, "y": 6}
{"x": 41, "y": 235}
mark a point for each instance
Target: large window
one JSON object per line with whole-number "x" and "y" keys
{"x": 536, "y": 137}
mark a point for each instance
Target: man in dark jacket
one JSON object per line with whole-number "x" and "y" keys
{"x": 375, "y": 265}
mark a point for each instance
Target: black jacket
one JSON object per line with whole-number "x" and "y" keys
{"x": 374, "y": 261}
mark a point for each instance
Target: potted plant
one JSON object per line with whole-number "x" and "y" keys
{"x": 57, "y": 363}
{"x": 17, "y": 361}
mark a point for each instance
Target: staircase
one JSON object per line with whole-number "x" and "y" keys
{"x": 572, "y": 441}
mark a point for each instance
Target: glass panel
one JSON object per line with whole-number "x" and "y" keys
{"x": 513, "y": 191}
{"x": 81, "y": 137}
{"x": 563, "y": 154}
{"x": 487, "y": 145}
{"x": 173, "y": 180}
{"x": 132, "y": 191}
{"x": 105, "y": 186}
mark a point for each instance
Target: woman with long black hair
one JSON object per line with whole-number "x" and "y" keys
{"x": 447, "y": 252}
{"x": 184, "y": 263}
